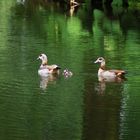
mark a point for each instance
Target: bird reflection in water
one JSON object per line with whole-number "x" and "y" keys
{"x": 101, "y": 86}
{"x": 46, "y": 80}
{"x": 51, "y": 78}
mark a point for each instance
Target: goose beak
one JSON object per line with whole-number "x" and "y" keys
{"x": 38, "y": 58}
{"x": 96, "y": 61}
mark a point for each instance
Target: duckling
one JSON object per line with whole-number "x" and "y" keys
{"x": 46, "y": 69}
{"x": 67, "y": 73}
{"x": 108, "y": 74}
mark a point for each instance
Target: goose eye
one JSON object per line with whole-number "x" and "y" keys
{"x": 100, "y": 59}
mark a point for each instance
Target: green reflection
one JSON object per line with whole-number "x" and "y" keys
{"x": 79, "y": 107}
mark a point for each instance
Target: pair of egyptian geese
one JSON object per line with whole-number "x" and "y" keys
{"x": 46, "y": 69}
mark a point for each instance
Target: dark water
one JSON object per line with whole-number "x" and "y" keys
{"x": 73, "y": 108}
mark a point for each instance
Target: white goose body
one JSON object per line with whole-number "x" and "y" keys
{"x": 45, "y": 70}
{"x": 108, "y": 75}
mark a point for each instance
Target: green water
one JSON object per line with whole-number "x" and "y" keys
{"x": 75, "y": 108}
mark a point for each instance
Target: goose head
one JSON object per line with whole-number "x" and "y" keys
{"x": 43, "y": 58}
{"x": 100, "y": 60}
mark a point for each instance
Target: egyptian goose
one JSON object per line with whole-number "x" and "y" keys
{"x": 108, "y": 74}
{"x": 46, "y": 69}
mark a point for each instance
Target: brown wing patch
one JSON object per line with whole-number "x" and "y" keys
{"x": 118, "y": 71}
{"x": 53, "y": 68}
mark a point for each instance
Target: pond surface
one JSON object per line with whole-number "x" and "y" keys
{"x": 75, "y": 108}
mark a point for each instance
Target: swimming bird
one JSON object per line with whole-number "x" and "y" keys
{"x": 108, "y": 75}
{"x": 46, "y": 69}
{"x": 67, "y": 73}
